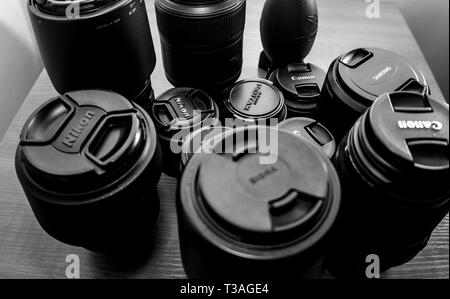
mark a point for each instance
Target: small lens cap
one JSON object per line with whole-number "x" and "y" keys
{"x": 83, "y": 139}
{"x": 366, "y": 73}
{"x": 313, "y": 131}
{"x": 254, "y": 100}
{"x": 301, "y": 85}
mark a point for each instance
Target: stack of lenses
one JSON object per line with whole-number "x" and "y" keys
{"x": 260, "y": 206}
{"x": 394, "y": 166}
{"x": 89, "y": 163}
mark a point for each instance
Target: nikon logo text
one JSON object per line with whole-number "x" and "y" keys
{"x": 75, "y": 132}
{"x": 382, "y": 73}
{"x": 420, "y": 125}
{"x": 182, "y": 107}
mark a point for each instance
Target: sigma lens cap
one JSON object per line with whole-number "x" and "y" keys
{"x": 313, "y": 131}
{"x": 301, "y": 85}
{"x": 177, "y": 113}
{"x": 407, "y": 134}
{"x": 293, "y": 196}
{"x": 195, "y": 141}
{"x": 255, "y": 100}
{"x": 362, "y": 75}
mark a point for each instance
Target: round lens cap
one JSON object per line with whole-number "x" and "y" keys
{"x": 260, "y": 190}
{"x": 182, "y": 108}
{"x": 367, "y": 73}
{"x": 301, "y": 85}
{"x": 82, "y": 139}
{"x": 256, "y": 100}
{"x": 311, "y": 130}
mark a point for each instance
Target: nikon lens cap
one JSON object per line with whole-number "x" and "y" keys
{"x": 274, "y": 216}
{"x": 255, "y": 100}
{"x": 87, "y": 159}
{"x": 313, "y": 131}
{"x": 356, "y": 79}
{"x": 177, "y": 113}
{"x": 301, "y": 85}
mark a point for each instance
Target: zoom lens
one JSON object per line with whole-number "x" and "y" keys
{"x": 89, "y": 162}
{"x": 394, "y": 168}
{"x": 356, "y": 79}
{"x": 256, "y": 208}
{"x": 90, "y": 44}
{"x": 202, "y": 41}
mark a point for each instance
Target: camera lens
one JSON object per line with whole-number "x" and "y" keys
{"x": 202, "y": 41}
{"x": 242, "y": 216}
{"x": 96, "y": 45}
{"x": 89, "y": 162}
{"x": 252, "y": 101}
{"x": 196, "y": 140}
{"x": 394, "y": 168}
{"x": 301, "y": 84}
{"x": 356, "y": 79}
{"x": 177, "y": 113}
{"x": 312, "y": 131}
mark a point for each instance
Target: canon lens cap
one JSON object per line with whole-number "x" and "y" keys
{"x": 301, "y": 85}
{"x": 255, "y": 100}
{"x": 177, "y": 113}
{"x": 313, "y": 131}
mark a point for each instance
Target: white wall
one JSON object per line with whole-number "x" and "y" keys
{"x": 429, "y": 22}
{"x": 20, "y": 63}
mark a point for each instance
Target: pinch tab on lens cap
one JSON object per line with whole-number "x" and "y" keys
{"x": 356, "y": 57}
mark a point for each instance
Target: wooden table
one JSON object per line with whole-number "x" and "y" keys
{"x": 26, "y": 251}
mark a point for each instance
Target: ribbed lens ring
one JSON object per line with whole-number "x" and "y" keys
{"x": 59, "y": 7}
{"x": 196, "y": 30}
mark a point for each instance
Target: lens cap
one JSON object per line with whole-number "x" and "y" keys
{"x": 255, "y": 100}
{"x": 313, "y": 131}
{"x": 82, "y": 140}
{"x": 301, "y": 85}
{"x": 362, "y": 75}
{"x": 404, "y": 138}
{"x": 195, "y": 141}
{"x": 177, "y": 113}
{"x": 288, "y": 192}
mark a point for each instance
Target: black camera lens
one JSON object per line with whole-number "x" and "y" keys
{"x": 394, "y": 167}
{"x": 177, "y": 113}
{"x": 255, "y": 208}
{"x": 252, "y": 101}
{"x": 313, "y": 131}
{"x": 202, "y": 41}
{"x": 196, "y": 140}
{"x": 301, "y": 85}
{"x": 90, "y": 44}
{"x": 356, "y": 79}
{"x": 89, "y": 163}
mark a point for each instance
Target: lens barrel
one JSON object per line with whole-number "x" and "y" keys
{"x": 96, "y": 45}
{"x": 202, "y": 42}
{"x": 242, "y": 218}
{"x": 393, "y": 166}
{"x": 356, "y": 79}
{"x": 89, "y": 163}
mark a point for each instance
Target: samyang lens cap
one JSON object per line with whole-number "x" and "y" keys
{"x": 301, "y": 85}
{"x": 313, "y": 131}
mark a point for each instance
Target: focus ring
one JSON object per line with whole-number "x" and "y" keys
{"x": 201, "y": 32}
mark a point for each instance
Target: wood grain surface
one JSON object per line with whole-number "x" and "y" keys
{"x": 26, "y": 251}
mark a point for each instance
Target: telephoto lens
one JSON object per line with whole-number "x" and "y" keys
{"x": 260, "y": 205}
{"x": 196, "y": 140}
{"x": 254, "y": 101}
{"x": 288, "y": 31}
{"x": 301, "y": 85}
{"x": 88, "y": 44}
{"x": 177, "y": 113}
{"x": 312, "y": 131}
{"x": 89, "y": 162}
{"x": 356, "y": 79}
{"x": 394, "y": 168}
{"x": 202, "y": 42}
